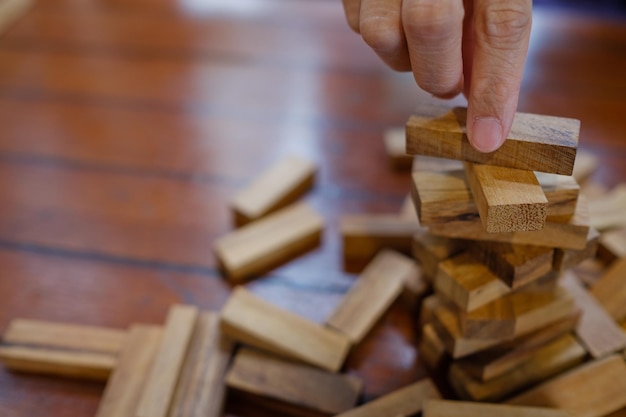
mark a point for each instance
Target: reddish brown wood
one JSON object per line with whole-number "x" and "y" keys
{"x": 126, "y": 125}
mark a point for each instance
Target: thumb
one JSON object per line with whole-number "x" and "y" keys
{"x": 501, "y": 35}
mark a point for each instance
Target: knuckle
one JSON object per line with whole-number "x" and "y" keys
{"x": 506, "y": 24}
{"x": 381, "y": 35}
{"x": 431, "y": 19}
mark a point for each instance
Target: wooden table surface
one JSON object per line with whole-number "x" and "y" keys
{"x": 126, "y": 125}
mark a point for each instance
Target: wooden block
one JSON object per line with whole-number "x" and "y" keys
{"x": 499, "y": 360}
{"x": 568, "y": 258}
{"x": 53, "y": 335}
{"x": 607, "y": 212}
{"x": 508, "y": 200}
{"x": 432, "y": 351}
{"x": 468, "y": 283}
{"x": 447, "y": 408}
{"x": 161, "y": 384}
{"x": 416, "y": 286}
{"x": 427, "y": 309}
{"x": 124, "y": 387}
{"x": 590, "y": 271}
{"x": 585, "y": 165}
{"x": 610, "y": 290}
{"x": 277, "y": 187}
{"x": 591, "y": 390}
{"x": 284, "y": 386}
{"x": 395, "y": 146}
{"x": 430, "y": 250}
{"x": 12, "y": 10}
{"x": 597, "y": 330}
{"x": 406, "y": 401}
{"x": 442, "y": 196}
{"x": 570, "y": 235}
{"x": 612, "y": 245}
{"x": 516, "y": 265}
{"x": 408, "y": 210}
{"x": 201, "y": 389}
{"x": 366, "y": 234}
{"x": 434, "y": 164}
{"x": 552, "y": 359}
{"x": 255, "y": 322}
{"x": 535, "y": 143}
{"x": 382, "y": 281}
{"x": 517, "y": 313}
{"x": 270, "y": 242}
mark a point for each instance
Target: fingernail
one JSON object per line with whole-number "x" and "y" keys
{"x": 487, "y": 134}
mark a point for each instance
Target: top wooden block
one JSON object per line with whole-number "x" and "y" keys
{"x": 535, "y": 143}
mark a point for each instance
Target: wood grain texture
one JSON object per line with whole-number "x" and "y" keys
{"x": 200, "y": 390}
{"x": 565, "y": 259}
{"x": 406, "y": 401}
{"x": 284, "y": 386}
{"x": 382, "y": 281}
{"x": 158, "y": 393}
{"x": 395, "y": 147}
{"x": 126, "y": 384}
{"x": 551, "y": 359}
{"x": 255, "y": 322}
{"x": 447, "y": 408}
{"x": 562, "y": 192}
{"x": 535, "y": 143}
{"x": 610, "y": 290}
{"x": 276, "y": 187}
{"x": 597, "y": 330}
{"x": 508, "y": 200}
{"x": 430, "y": 250}
{"x": 572, "y": 391}
{"x": 270, "y": 242}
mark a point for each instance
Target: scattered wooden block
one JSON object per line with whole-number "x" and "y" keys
{"x": 535, "y": 143}
{"x": 12, "y": 10}
{"x": 283, "y": 386}
{"x": 267, "y": 243}
{"x": 124, "y": 387}
{"x": 468, "y": 283}
{"x": 447, "y": 408}
{"x": 607, "y": 212}
{"x": 610, "y": 290}
{"x": 551, "y": 359}
{"x": 612, "y": 245}
{"x": 517, "y": 313}
{"x": 585, "y": 165}
{"x": 570, "y": 235}
{"x": 201, "y": 389}
{"x": 516, "y": 265}
{"x": 406, "y": 401}
{"x": 157, "y": 395}
{"x": 366, "y": 234}
{"x": 597, "y": 331}
{"x": 591, "y": 390}
{"x": 255, "y": 322}
{"x": 395, "y": 146}
{"x": 382, "y": 281}
{"x": 568, "y": 258}
{"x": 430, "y": 250}
{"x": 432, "y": 351}
{"x": 279, "y": 186}
{"x": 589, "y": 271}
{"x": 508, "y": 200}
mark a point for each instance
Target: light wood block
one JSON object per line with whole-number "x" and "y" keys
{"x": 610, "y": 290}
{"x": 535, "y": 143}
{"x": 277, "y": 187}
{"x": 597, "y": 330}
{"x": 468, "y": 283}
{"x": 586, "y": 163}
{"x": 430, "y": 250}
{"x": 551, "y": 359}
{"x": 406, "y": 401}
{"x": 124, "y": 387}
{"x": 607, "y": 211}
{"x": 161, "y": 384}
{"x": 54, "y": 335}
{"x": 517, "y": 313}
{"x": 255, "y": 322}
{"x": 12, "y": 10}
{"x": 408, "y": 210}
{"x": 364, "y": 235}
{"x": 612, "y": 245}
{"x": 382, "y": 281}
{"x": 516, "y": 265}
{"x": 444, "y": 195}
{"x": 590, "y": 271}
{"x": 201, "y": 389}
{"x": 568, "y": 258}
{"x": 434, "y": 164}
{"x": 270, "y": 242}
{"x": 499, "y": 360}
{"x": 432, "y": 351}
{"x": 570, "y": 235}
{"x": 508, "y": 200}
{"x": 395, "y": 147}
{"x": 284, "y": 386}
{"x": 447, "y": 408}
{"x": 594, "y": 389}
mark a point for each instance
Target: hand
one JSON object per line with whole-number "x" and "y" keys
{"x": 477, "y": 47}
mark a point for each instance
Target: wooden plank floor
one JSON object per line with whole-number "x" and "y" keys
{"x": 125, "y": 125}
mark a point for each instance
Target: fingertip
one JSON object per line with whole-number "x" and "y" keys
{"x": 486, "y": 134}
